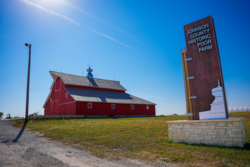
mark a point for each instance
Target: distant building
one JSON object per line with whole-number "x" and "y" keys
{"x": 78, "y": 95}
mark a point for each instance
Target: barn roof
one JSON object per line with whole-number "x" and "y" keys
{"x": 70, "y": 79}
{"x": 87, "y": 95}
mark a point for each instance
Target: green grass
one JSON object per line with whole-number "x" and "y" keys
{"x": 141, "y": 138}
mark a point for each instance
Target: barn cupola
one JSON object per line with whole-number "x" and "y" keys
{"x": 90, "y": 75}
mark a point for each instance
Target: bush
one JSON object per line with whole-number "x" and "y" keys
{"x": 47, "y": 117}
{"x": 1, "y": 114}
{"x": 67, "y": 117}
{"x": 29, "y": 118}
{"x": 58, "y": 117}
{"x": 85, "y": 116}
{"x": 36, "y": 117}
{"x": 76, "y": 117}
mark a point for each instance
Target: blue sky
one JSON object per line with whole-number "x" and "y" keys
{"x": 135, "y": 42}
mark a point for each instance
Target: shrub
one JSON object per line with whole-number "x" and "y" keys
{"x": 76, "y": 117}
{"x": 29, "y": 118}
{"x": 85, "y": 116}
{"x": 58, "y": 117}
{"x": 67, "y": 117}
{"x": 1, "y": 114}
{"x": 47, "y": 117}
{"x": 36, "y": 117}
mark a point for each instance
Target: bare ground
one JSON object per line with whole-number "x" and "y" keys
{"x": 31, "y": 150}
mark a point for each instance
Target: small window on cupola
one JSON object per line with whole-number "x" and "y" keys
{"x": 66, "y": 95}
{"x": 113, "y": 106}
{"x": 132, "y": 107}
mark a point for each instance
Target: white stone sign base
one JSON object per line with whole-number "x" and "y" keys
{"x": 220, "y": 132}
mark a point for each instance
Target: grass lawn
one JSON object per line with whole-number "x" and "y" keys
{"x": 141, "y": 138}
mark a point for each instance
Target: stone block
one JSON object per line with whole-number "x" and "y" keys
{"x": 211, "y": 126}
{"x": 221, "y": 123}
{"x": 198, "y": 131}
{"x": 236, "y": 130}
{"x": 207, "y": 137}
{"x": 236, "y": 124}
{"x": 212, "y": 123}
{"x": 193, "y": 126}
{"x": 186, "y": 126}
{"x": 178, "y": 130}
{"x": 193, "y": 135}
{"x": 203, "y": 124}
{"x": 203, "y": 127}
{"x": 211, "y": 133}
{"x": 239, "y": 136}
{"x": 226, "y": 139}
{"x": 237, "y": 139}
{"x": 190, "y": 130}
{"x": 232, "y": 136}
{"x": 199, "y": 138}
{"x": 229, "y": 143}
{"x": 186, "y": 133}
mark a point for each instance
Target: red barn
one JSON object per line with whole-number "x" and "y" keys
{"x": 78, "y": 95}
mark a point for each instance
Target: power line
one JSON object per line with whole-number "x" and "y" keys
{"x": 12, "y": 39}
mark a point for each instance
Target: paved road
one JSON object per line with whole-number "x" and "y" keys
{"x": 31, "y": 150}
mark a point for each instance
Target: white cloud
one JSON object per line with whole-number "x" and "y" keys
{"x": 98, "y": 19}
{"x": 49, "y": 11}
{"x": 111, "y": 39}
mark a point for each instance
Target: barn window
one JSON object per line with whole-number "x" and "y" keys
{"x": 89, "y": 105}
{"x": 113, "y": 106}
{"x": 147, "y": 107}
{"x": 66, "y": 95}
{"x": 132, "y": 107}
{"x": 50, "y": 99}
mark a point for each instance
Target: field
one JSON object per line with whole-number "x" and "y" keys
{"x": 141, "y": 138}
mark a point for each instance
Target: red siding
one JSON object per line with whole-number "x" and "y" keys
{"x": 100, "y": 89}
{"x": 120, "y": 109}
{"x": 59, "y": 104}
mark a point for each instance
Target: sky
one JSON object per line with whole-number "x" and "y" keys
{"x": 135, "y": 42}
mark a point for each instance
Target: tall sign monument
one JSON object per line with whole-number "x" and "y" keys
{"x": 204, "y": 84}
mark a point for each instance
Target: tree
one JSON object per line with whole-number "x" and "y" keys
{"x": 1, "y": 114}
{"x": 34, "y": 114}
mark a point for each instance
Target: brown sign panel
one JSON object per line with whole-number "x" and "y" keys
{"x": 205, "y": 72}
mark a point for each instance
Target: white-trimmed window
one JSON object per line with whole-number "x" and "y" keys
{"x": 66, "y": 95}
{"x": 132, "y": 107}
{"x": 50, "y": 99}
{"x": 147, "y": 107}
{"x": 112, "y": 106}
{"x": 89, "y": 105}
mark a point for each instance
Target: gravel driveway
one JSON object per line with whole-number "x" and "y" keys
{"x": 31, "y": 150}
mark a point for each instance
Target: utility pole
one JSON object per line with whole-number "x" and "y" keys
{"x": 28, "y": 84}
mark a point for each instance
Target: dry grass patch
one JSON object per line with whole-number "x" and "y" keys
{"x": 141, "y": 138}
